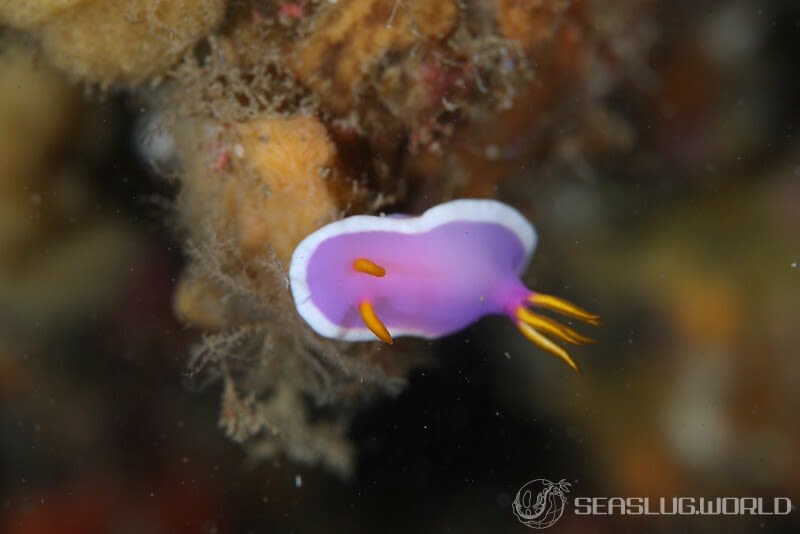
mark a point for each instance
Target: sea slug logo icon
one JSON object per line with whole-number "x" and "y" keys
{"x": 540, "y": 503}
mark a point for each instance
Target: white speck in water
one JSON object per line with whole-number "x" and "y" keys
{"x": 298, "y": 481}
{"x": 794, "y": 265}
{"x": 185, "y": 460}
{"x": 507, "y": 355}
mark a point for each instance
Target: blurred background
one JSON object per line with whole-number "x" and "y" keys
{"x": 685, "y": 240}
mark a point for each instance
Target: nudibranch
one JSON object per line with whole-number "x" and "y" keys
{"x": 364, "y": 276}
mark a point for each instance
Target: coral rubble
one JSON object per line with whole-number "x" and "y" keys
{"x": 278, "y": 117}
{"x": 114, "y": 41}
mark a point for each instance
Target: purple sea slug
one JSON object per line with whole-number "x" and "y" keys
{"x": 365, "y": 276}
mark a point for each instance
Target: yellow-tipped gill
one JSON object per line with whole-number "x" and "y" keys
{"x": 534, "y": 326}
